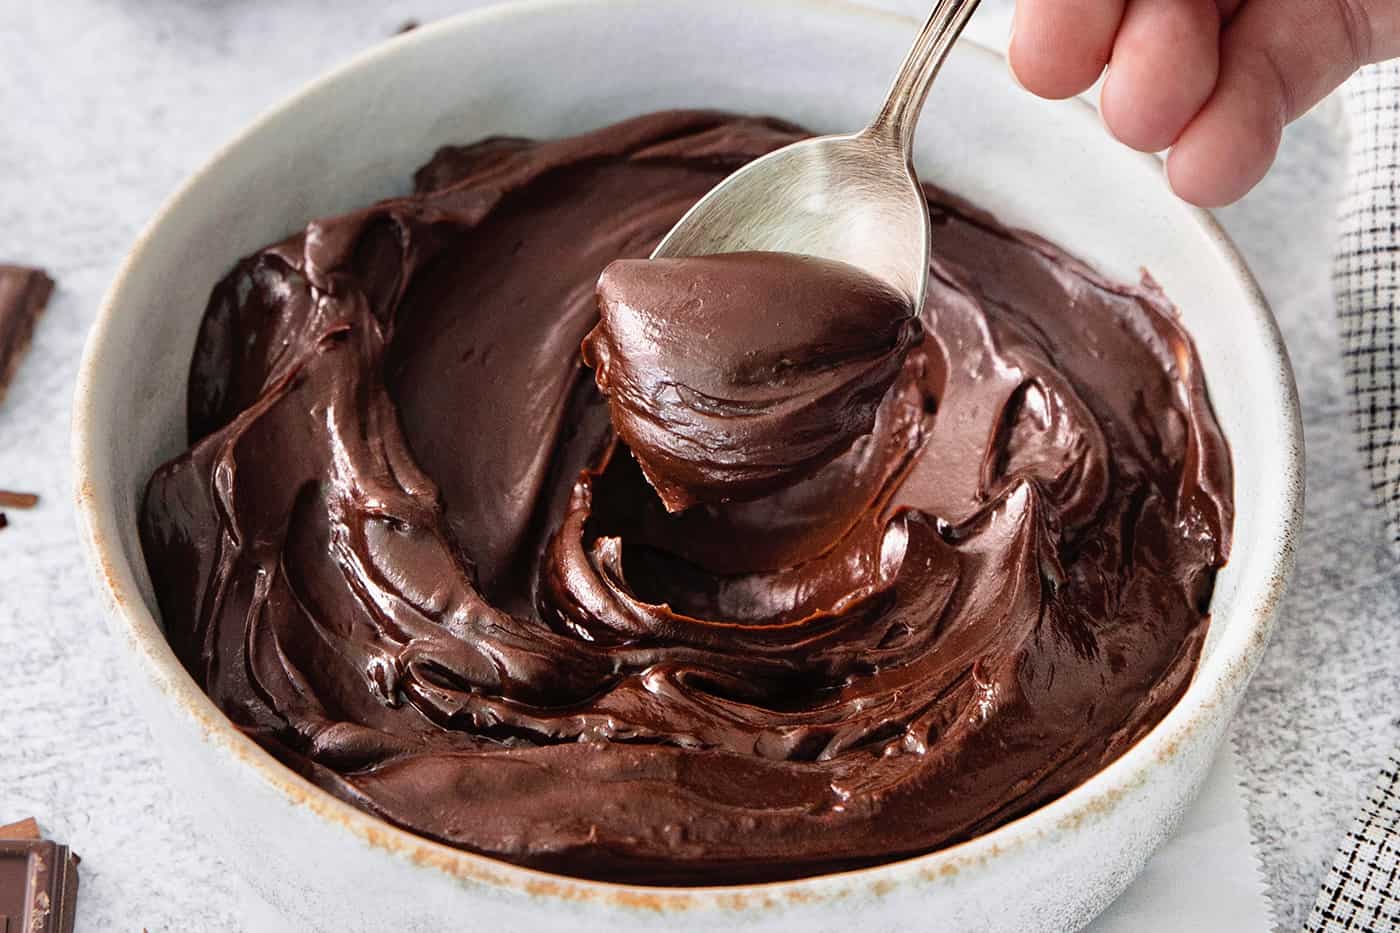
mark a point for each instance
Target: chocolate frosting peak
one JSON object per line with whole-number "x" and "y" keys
{"x": 409, "y": 554}
{"x": 732, "y": 376}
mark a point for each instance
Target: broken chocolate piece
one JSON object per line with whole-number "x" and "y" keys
{"x": 23, "y": 294}
{"x": 4, "y": 523}
{"x": 38, "y": 881}
{"x": 24, "y": 829}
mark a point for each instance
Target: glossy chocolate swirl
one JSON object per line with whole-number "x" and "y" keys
{"x": 408, "y": 554}
{"x": 730, "y": 377}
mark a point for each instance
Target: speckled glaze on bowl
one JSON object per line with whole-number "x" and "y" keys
{"x": 563, "y": 66}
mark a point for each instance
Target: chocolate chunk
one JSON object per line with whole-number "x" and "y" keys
{"x": 407, "y": 25}
{"x": 27, "y": 828}
{"x": 38, "y": 881}
{"x": 23, "y": 294}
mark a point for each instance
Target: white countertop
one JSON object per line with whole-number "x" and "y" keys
{"x": 106, "y": 105}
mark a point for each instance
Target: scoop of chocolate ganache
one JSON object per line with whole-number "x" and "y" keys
{"x": 734, "y": 375}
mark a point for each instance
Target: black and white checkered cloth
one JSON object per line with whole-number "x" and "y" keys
{"x": 1366, "y": 278}
{"x": 1362, "y": 890}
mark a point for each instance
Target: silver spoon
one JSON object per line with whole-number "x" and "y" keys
{"x": 850, "y": 198}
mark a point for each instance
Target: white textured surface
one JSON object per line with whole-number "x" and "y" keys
{"x": 105, "y": 105}
{"x": 1211, "y": 857}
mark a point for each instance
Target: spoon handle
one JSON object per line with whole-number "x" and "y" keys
{"x": 899, "y": 116}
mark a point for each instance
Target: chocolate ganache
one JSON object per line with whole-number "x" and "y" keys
{"x": 732, "y": 376}
{"x": 408, "y": 553}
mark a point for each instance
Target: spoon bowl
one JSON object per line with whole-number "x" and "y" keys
{"x": 851, "y": 198}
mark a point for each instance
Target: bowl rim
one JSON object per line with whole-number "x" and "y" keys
{"x": 1216, "y": 680}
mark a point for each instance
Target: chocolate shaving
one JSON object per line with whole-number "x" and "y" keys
{"x": 17, "y": 500}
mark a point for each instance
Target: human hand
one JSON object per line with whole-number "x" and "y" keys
{"x": 1213, "y": 80}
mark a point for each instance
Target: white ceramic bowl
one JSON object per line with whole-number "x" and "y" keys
{"x": 553, "y": 68}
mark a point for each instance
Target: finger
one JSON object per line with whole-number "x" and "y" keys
{"x": 1060, "y": 47}
{"x": 1162, "y": 71}
{"x": 1277, "y": 59}
{"x": 1227, "y": 8}
{"x": 1380, "y": 23}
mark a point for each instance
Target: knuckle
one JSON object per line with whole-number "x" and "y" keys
{"x": 1355, "y": 21}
